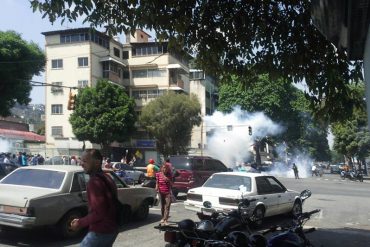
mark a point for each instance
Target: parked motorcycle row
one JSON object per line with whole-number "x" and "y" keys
{"x": 352, "y": 175}
{"x": 233, "y": 229}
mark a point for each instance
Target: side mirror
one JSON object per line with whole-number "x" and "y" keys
{"x": 177, "y": 174}
{"x": 305, "y": 194}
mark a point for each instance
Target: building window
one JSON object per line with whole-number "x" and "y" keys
{"x": 124, "y": 54}
{"x": 116, "y": 52}
{"x": 57, "y": 109}
{"x": 82, "y": 83}
{"x": 57, "y": 87}
{"x": 197, "y": 75}
{"x": 147, "y": 94}
{"x": 57, "y": 64}
{"x": 57, "y": 131}
{"x": 150, "y": 50}
{"x": 83, "y": 61}
{"x": 145, "y": 73}
{"x": 125, "y": 74}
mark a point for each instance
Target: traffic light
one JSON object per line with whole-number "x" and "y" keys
{"x": 250, "y": 130}
{"x": 71, "y": 101}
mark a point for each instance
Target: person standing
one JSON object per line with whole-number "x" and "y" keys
{"x": 101, "y": 219}
{"x": 151, "y": 169}
{"x": 164, "y": 187}
{"x": 295, "y": 169}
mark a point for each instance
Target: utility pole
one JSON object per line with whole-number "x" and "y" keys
{"x": 201, "y": 138}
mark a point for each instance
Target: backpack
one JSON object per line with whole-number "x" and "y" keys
{"x": 120, "y": 208}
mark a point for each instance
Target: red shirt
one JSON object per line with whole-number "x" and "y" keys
{"x": 102, "y": 210}
{"x": 164, "y": 185}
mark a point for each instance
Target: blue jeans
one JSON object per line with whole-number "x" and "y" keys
{"x": 93, "y": 239}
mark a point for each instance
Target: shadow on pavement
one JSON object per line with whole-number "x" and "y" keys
{"x": 48, "y": 238}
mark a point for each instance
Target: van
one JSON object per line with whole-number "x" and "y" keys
{"x": 192, "y": 171}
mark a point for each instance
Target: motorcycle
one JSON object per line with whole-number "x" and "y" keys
{"x": 215, "y": 227}
{"x": 352, "y": 175}
{"x": 293, "y": 236}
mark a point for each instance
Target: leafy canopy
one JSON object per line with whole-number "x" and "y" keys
{"x": 19, "y": 62}
{"x": 103, "y": 114}
{"x": 352, "y": 138}
{"x": 170, "y": 119}
{"x": 276, "y": 37}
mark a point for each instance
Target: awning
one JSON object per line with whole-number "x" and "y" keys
{"x": 177, "y": 66}
{"x": 104, "y": 59}
{"x": 21, "y": 135}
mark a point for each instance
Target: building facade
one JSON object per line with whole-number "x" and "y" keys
{"x": 145, "y": 69}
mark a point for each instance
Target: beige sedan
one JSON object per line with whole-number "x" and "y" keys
{"x": 37, "y": 196}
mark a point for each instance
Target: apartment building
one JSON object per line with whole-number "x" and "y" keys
{"x": 144, "y": 68}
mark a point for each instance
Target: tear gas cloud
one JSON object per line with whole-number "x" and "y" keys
{"x": 4, "y": 146}
{"x": 232, "y": 144}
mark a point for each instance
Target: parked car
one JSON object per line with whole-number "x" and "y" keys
{"x": 192, "y": 171}
{"x": 335, "y": 168}
{"x": 6, "y": 168}
{"x": 136, "y": 175}
{"x": 53, "y": 195}
{"x": 224, "y": 191}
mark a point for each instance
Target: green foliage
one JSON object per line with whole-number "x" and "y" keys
{"x": 103, "y": 114}
{"x": 19, "y": 62}
{"x": 284, "y": 104}
{"x": 275, "y": 37}
{"x": 352, "y": 137}
{"x": 170, "y": 119}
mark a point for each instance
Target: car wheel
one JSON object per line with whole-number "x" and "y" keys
{"x": 258, "y": 215}
{"x": 297, "y": 208}
{"x": 141, "y": 179}
{"x": 64, "y": 226}
{"x": 143, "y": 211}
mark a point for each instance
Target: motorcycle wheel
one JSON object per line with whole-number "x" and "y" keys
{"x": 257, "y": 216}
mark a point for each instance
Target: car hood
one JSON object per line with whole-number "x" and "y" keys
{"x": 216, "y": 192}
{"x": 19, "y": 196}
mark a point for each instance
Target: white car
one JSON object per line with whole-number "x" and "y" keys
{"x": 53, "y": 195}
{"x": 223, "y": 191}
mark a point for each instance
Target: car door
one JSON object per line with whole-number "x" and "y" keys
{"x": 286, "y": 199}
{"x": 267, "y": 196}
{"x": 200, "y": 172}
{"x": 78, "y": 187}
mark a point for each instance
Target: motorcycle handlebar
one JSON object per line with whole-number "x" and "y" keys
{"x": 308, "y": 214}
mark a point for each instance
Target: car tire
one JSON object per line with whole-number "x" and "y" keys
{"x": 257, "y": 216}
{"x": 64, "y": 225}
{"x": 141, "y": 179}
{"x": 297, "y": 208}
{"x": 143, "y": 211}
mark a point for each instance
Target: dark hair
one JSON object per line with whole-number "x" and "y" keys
{"x": 95, "y": 154}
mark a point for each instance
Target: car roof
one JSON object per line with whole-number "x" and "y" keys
{"x": 244, "y": 174}
{"x": 65, "y": 168}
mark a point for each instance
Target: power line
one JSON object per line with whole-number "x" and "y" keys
{"x": 43, "y": 84}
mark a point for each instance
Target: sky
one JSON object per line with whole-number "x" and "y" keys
{"x": 18, "y": 16}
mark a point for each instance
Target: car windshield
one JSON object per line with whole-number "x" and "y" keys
{"x": 35, "y": 178}
{"x": 231, "y": 182}
{"x": 181, "y": 163}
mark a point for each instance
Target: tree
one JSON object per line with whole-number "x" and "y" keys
{"x": 103, "y": 114}
{"x": 351, "y": 136}
{"x": 276, "y": 37}
{"x": 19, "y": 62}
{"x": 170, "y": 119}
{"x": 284, "y": 104}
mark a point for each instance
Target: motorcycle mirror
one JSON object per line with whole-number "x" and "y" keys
{"x": 207, "y": 204}
{"x": 305, "y": 194}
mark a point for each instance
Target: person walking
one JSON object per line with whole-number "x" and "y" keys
{"x": 164, "y": 188}
{"x": 101, "y": 219}
{"x": 295, "y": 169}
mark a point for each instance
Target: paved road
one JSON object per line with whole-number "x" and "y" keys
{"x": 343, "y": 221}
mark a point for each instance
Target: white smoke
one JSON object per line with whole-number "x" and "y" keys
{"x": 230, "y": 141}
{"x": 4, "y": 146}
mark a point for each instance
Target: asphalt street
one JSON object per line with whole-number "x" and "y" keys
{"x": 343, "y": 221}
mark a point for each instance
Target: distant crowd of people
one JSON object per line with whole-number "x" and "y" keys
{"x": 24, "y": 159}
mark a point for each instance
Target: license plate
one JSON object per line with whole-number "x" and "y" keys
{"x": 207, "y": 211}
